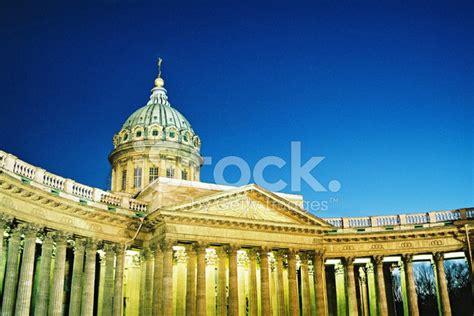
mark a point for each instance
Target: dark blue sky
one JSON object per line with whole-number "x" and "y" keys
{"x": 383, "y": 90}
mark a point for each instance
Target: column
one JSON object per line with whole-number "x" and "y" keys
{"x": 143, "y": 265}
{"x": 221, "y": 281}
{"x": 191, "y": 281}
{"x": 351, "y": 287}
{"x": 25, "y": 284}
{"x": 306, "y": 299}
{"x": 41, "y": 305}
{"x": 148, "y": 295}
{"x": 157, "y": 282}
{"x": 5, "y": 222}
{"x": 233, "y": 281}
{"x": 364, "y": 296}
{"x": 11, "y": 273}
{"x": 118, "y": 287}
{"x": 179, "y": 291}
{"x": 253, "y": 295}
{"x": 442, "y": 285}
{"x": 319, "y": 283}
{"x": 265, "y": 282}
{"x": 211, "y": 260}
{"x": 201, "y": 279}
{"x": 371, "y": 281}
{"x": 280, "y": 282}
{"x": 57, "y": 288}
{"x": 381, "y": 295}
{"x": 241, "y": 263}
{"x": 293, "y": 284}
{"x": 87, "y": 302}
{"x": 340, "y": 277}
{"x": 76, "y": 283}
{"x": 411, "y": 287}
{"x": 167, "y": 298}
{"x": 107, "y": 299}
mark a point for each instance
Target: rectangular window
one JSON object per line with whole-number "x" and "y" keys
{"x": 153, "y": 174}
{"x": 124, "y": 180}
{"x": 137, "y": 178}
{"x": 184, "y": 175}
{"x": 170, "y": 173}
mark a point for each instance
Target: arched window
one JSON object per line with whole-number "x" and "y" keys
{"x": 155, "y": 132}
{"x": 169, "y": 172}
{"x": 138, "y": 134}
{"x": 184, "y": 175}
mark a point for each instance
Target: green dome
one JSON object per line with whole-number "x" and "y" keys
{"x": 160, "y": 113}
{"x": 157, "y": 121}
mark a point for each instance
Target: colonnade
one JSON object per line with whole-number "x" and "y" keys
{"x": 276, "y": 282}
{"x": 270, "y": 287}
{"x": 190, "y": 278}
{"x": 36, "y": 270}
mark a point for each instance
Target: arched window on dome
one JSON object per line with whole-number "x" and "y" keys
{"x": 155, "y": 133}
{"x": 184, "y": 175}
{"x": 125, "y": 136}
{"x": 138, "y": 134}
{"x": 172, "y": 134}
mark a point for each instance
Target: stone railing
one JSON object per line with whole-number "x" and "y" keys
{"x": 59, "y": 184}
{"x": 402, "y": 219}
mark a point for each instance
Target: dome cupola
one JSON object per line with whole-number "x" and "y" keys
{"x": 155, "y": 141}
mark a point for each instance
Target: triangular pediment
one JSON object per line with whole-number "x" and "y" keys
{"x": 249, "y": 202}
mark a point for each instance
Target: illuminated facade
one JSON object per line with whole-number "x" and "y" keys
{"x": 161, "y": 242}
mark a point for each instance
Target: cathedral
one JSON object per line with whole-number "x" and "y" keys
{"x": 161, "y": 242}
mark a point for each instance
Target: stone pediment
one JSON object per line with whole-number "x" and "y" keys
{"x": 249, "y": 202}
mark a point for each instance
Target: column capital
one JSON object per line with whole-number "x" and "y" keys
{"x": 60, "y": 236}
{"x": 221, "y": 252}
{"x": 438, "y": 256}
{"x": 146, "y": 253}
{"x": 252, "y": 254}
{"x": 280, "y": 254}
{"x": 369, "y": 267}
{"x": 47, "y": 238}
{"x": 167, "y": 244}
{"x": 292, "y": 253}
{"x": 232, "y": 249}
{"x": 190, "y": 250}
{"x": 349, "y": 260}
{"x": 92, "y": 243}
{"x": 304, "y": 256}
{"x": 119, "y": 248}
{"x": 378, "y": 260}
{"x": 29, "y": 230}
{"x": 79, "y": 244}
{"x": 5, "y": 220}
{"x": 319, "y": 254}
{"x": 108, "y": 248}
{"x": 200, "y": 247}
{"x": 153, "y": 247}
{"x": 407, "y": 258}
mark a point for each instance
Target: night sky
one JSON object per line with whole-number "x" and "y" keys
{"x": 383, "y": 90}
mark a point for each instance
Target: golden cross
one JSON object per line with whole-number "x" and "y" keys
{"x": 159, "y": 66}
